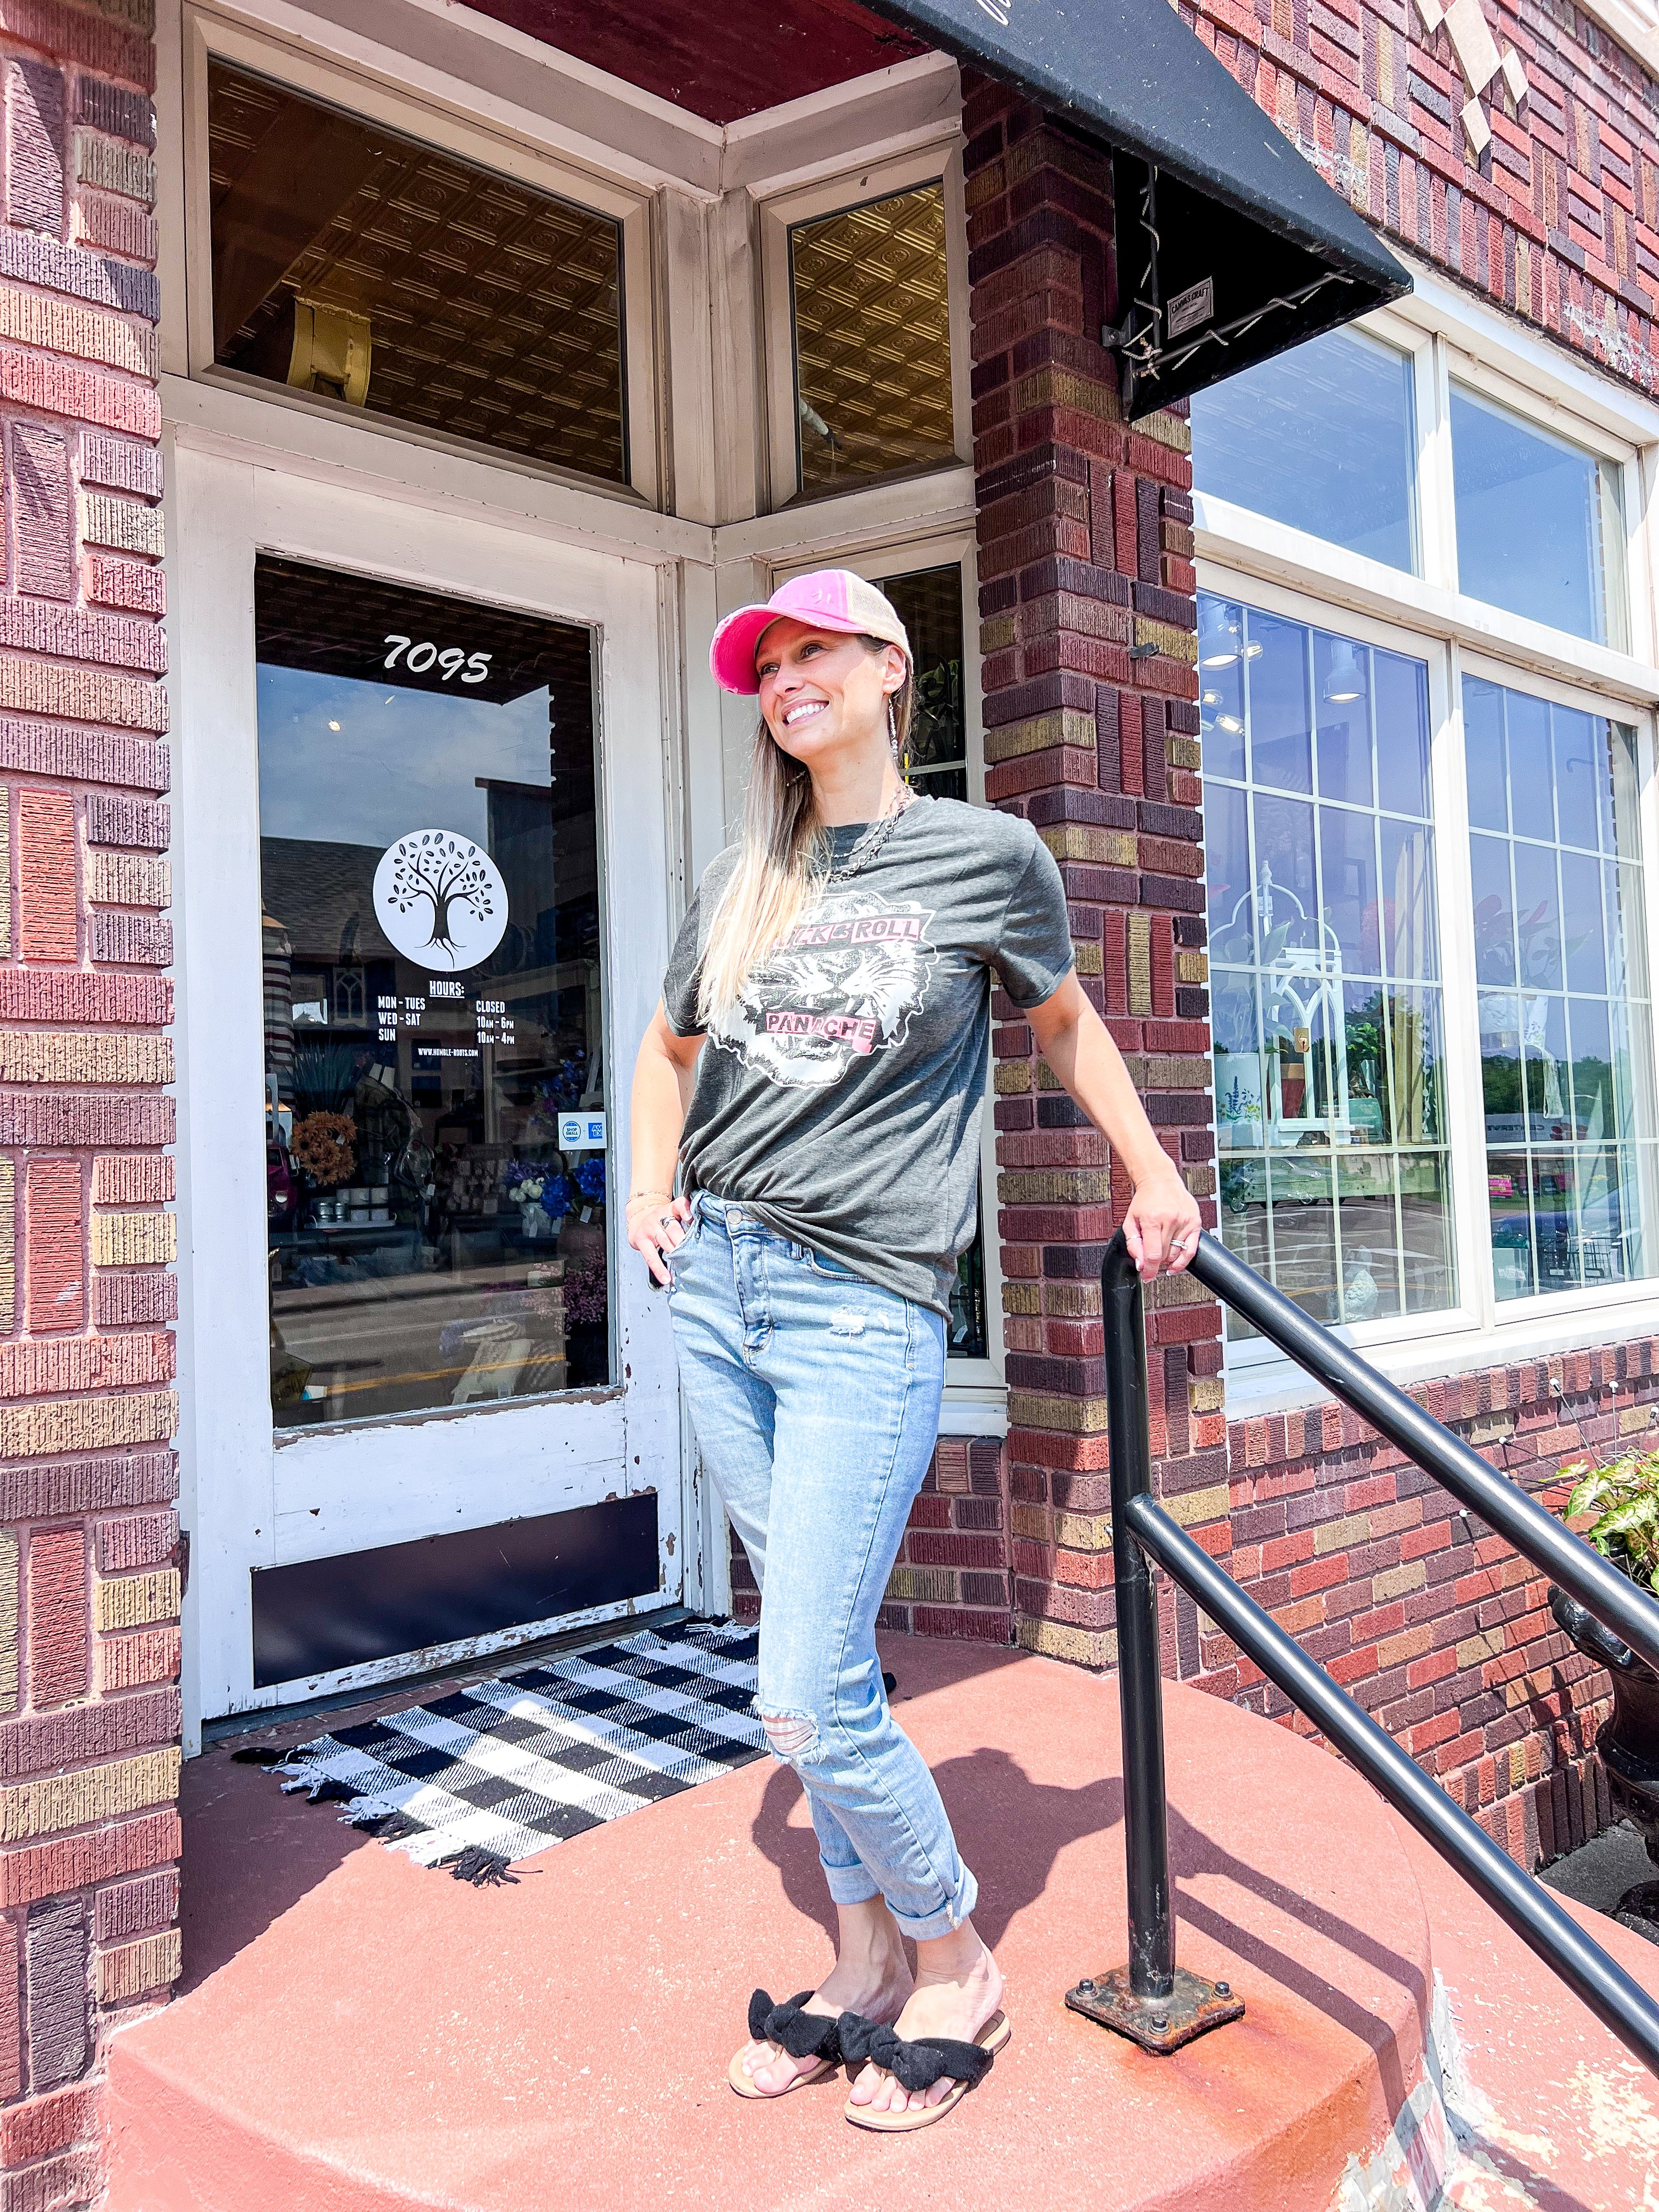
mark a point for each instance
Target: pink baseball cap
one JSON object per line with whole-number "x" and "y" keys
{"x": 830, "y": 599}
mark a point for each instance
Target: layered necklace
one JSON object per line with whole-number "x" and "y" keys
{"x": 864, "y": 849}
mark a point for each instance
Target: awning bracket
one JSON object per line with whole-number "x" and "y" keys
{"x": 1137, "y": 338}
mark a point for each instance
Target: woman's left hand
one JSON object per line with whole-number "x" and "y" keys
{"x": 1161, "y": 1225}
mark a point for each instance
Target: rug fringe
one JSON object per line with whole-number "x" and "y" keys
{"x": 484, "y": 1869}
{"x": 393, "y": 1828}
{"x": 323, "y": 1789}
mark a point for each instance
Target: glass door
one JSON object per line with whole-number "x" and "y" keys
{"x": 427, "y": 1411}
{"x": 434, "y": 1082}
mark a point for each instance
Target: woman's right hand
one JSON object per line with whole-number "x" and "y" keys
{"x": 656, "y": 1225}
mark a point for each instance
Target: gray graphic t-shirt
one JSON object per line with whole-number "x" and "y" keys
{"x": 839, "y": 1099}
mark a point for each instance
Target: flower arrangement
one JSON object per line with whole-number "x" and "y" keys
{"x": 586, "y": 1294}
{"x": 1623, "y": 1495}
{"x": 557, "y": 1094}
{"x": 530, "y": 1183}
{"x": 524, "y": 1182}
{"x": 590, "y": 1178}
{"x": 325, "y": 1146}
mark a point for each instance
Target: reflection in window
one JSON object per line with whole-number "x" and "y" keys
{"x": 1539, "y": 527}
{"x": 349, "y": 261}
{"x": 929, "y": 602}
{"x": 1321, "y": 439}
{"x": 435, "y": 1099}
{"x": 1564, "y": 1025}
{"x": 1324, "y": 964}
{"x": 872, "y": 340}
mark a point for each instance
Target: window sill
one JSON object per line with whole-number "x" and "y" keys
{"x": 862, "y": 515}
{"x": 972, "y": 1407}
{"x": 1541, "y": 1329}
{"x": 245, "y": 420}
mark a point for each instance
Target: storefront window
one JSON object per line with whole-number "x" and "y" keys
{"x": 1564, "y": 1023}
{"x": 350, "y": 261}
{"x": 870, "y": 308}
{"x": 435, "y": 1109}
{"x": 1539, "y": 528}
{"x": 929, "y": 602}
{"x": 1325, "y": 965}
{"x": 1321, "y": 439}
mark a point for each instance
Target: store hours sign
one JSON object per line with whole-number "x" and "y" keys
{"x": 440, "y": 900}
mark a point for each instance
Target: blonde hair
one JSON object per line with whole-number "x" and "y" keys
{"x": 784, "y": 863}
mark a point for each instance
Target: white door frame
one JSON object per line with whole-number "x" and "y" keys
{"x": 253, "y": 1498}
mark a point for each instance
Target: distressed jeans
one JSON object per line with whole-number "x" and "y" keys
{"x": 815, "y": 1395}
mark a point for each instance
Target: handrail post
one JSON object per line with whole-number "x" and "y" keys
{"x": 1153, "y": 2000}
{"x": 1140, "y": 1676}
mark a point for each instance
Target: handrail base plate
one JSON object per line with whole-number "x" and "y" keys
{"x": 1159, "y": 2025}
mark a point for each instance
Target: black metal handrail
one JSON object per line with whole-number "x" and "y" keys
{"x": 1151, "y": 1999}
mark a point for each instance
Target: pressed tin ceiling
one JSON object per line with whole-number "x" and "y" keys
{"x": 873, "y": 339}
{"x": 495, "y": 310}
{"x": 721, "y": 62}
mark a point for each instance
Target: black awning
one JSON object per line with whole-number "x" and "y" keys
{"x": 1232, "y": 247}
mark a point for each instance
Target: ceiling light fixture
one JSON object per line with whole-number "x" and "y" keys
{"x": 1218, "y": 642}
{"x": 1346, "y": 680}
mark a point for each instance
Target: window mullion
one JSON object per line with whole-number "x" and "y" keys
{"x": 1647, "y": 1074}
{"x": 1465, "y": 1105}
{"x": 1641, "y": 475}
{"x": 1436, "y": 509}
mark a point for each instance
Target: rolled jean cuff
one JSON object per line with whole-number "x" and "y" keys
{"x": 848, "y": 1884}
{"x": 948, "y": 1918}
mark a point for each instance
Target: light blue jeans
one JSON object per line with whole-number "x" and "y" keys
{"x": 815, "y": 1396}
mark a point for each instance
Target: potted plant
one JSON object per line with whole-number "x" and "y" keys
{"x": 1619, "y": 1507}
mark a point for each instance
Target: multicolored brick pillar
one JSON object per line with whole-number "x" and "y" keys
{"x": 89, "y": 1579}
{"x": 951, "y": 1576}
{"x": 1088, "y": 639}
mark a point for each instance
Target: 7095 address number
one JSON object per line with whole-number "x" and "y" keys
{"x": 425, "y": 655}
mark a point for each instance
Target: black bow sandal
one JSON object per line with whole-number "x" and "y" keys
{"x": 917, "y": 2065}
{"x": 798, "y": 2034}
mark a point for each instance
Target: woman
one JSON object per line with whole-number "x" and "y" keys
{"x": 805, "y": 1145}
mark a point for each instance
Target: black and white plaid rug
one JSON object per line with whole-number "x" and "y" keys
{"x": 507, "y": 1766}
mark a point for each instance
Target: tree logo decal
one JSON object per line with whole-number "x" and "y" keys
{"x": 440, "y": 900}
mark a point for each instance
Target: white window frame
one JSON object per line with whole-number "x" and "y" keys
{"x": 349, "y": 1486}
{"x": 1483, "y": 380}
{"x": 379, "y": 98}
{"x": 939, "y": 163}
{"x": 1244, "y": 555}
{"x": 1464, "y": 1315}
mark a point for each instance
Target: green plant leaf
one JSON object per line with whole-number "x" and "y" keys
{"x": 1637, "y": 1517}
{"x": 1586, "y": 1495}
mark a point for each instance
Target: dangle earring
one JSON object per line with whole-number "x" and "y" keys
{"x": 901, "y": 762}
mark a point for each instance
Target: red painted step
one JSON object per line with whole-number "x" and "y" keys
{"x": 395, "y": 2039}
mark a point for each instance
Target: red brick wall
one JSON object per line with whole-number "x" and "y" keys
{"x": 1436, "y": 1627}
{"x": 1556, "y": 222}
{"x": 90, "y": 1586}
{"x": 1559, "y": 220}
{"x": 952, "y": 1576}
